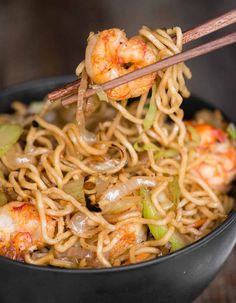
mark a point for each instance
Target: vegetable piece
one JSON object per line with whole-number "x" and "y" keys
{"x": 121, "y": 190}
{"x": 79, "y": 223}
{"x": 152, "y": 110}
{"x": 165, "y": 153}
{"x": 195, "y": 137}
{"x": 1, "y": 175}
{"x": 9, "y": 135}
{"x": 102, "y": 96}
{"x": 75, "y": 188}
{"x": 119, "y": 206}
{"x": 174, "y": 190}
{"x": 159, "y": 152}
{"x": 35, "y": 107}
{"x": 145, "y": 146}
{"x": 102, "y": 185}
{"x": 149, "y": 212}
{"x": 3, "y": 198}
{"x": 231, "y": 130}
{"x": 177, "y": 241}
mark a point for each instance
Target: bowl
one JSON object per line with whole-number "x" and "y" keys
{"x": 178, "y": 277}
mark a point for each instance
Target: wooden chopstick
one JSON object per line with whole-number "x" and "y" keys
{"x": 190, "y": 35}
{"x": 210, "y": 26}
{"x": 184, "y": 56}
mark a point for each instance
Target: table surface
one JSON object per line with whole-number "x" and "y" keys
{"x": 223, "y": 288}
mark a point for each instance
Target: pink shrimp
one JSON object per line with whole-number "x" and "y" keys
{"x": 20, "y": 229}
{"x": 110, "y": 54}
{"x": 219, "y": 168}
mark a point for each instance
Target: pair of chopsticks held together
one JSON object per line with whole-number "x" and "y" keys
{"x": 67, "y": 92}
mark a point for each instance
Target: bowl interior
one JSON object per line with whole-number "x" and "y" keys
{"x": 37, "y": 90}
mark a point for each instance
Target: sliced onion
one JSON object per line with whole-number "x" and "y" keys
{"x": 109, "y": 166}
{"x": 164, "y": 201}
{"x": 76, "y": 251}
{"x": 119, "y": 206}
{"x": 22, "y": 159}
{"x": 79, "y": 252}
{"x": 104, "y": 166}
{"x": 79, "y": 224}
{"x": 124, "y": 189}
{"x": 75, "y": 189}
{"x": 101, "y": 185}
{"x": 14, "y": 159}
{"x": 88, "y": 137}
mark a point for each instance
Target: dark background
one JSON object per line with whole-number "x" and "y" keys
{"x": 48, "y": 37}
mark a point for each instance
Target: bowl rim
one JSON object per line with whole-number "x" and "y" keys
{"x": 36, "y": 83}
{"x": 186, "y": 250}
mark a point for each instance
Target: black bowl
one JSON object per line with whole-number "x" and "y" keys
{"x": 179, "y": 277}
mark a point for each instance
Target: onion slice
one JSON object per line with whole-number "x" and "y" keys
{"x": 124, "y": 189}
{"x": 79, "y": 224}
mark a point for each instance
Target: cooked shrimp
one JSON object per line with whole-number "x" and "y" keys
{"x": 20, "y": 229}
{"x": 110, "y": 54}
{"x": 127, "y": 236}
{"x": 218, "y": 169}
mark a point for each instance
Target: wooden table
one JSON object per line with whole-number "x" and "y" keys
{"x": 223, "y": 288}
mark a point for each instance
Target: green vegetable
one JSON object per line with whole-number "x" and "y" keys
{"x": 1, "y": 175}
{"x": 9, "y": 135}
{"x": 152, "y": 111}
{"x": 165, "y": 153}
{"x": 149, "y": 212}
{"x": 75, "y": 188}
{"x": 145, "y": 146}
{"x": 159, "y": 152}
{"x": 231, "y": 130}
{"x": 3, "y": 199}
{"x": 178, "y": 241}
{"x": 194, "y": 135}
{"x": 100, "y": 93}
{"x": 174, "y": 189}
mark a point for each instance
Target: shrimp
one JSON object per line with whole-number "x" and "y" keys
{"x": 20, "y": 229}
{"x": 127, "y": 236}
{"x": 219, "y": 167}
{"x": 109, "y": 54}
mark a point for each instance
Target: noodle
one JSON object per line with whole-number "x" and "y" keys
{"x": 108, "y": 158}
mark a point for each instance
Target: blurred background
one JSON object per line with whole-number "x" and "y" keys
{"x": 39, "y": 39}
{"x": 45, "y": 38}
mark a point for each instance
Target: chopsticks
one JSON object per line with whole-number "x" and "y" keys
{"x": 67, "y": 92}
{"x": 190, "y": 54}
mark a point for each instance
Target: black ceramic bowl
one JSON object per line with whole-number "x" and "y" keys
{"x": 179, "y": 277}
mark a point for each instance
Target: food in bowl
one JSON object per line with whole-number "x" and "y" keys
{"x": 121, "y": 178}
